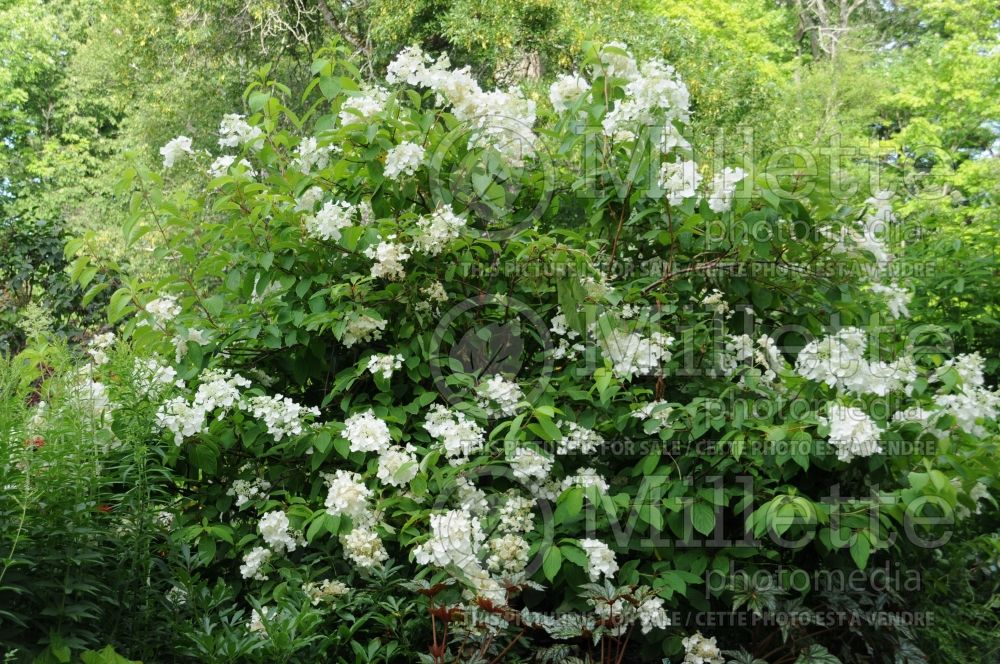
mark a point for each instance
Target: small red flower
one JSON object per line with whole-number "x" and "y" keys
{"x": 35, "y": 442}
{"x": 104, "y": 508}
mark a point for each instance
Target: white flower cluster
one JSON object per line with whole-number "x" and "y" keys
{"x": 720, "y": 199}
{"x": 896, "y": 298}
{"x": 235, "y": 131}
{"x": 532, "y": 468}
{"x": 459, "y": 435}
{"x": 362, "y": 327}
{"x": 389, "y": 257}
{"x": 310, "y": 155}
{"x": 499, "y": 396}
{"x": 839, "y": 360}
{"x": 566, "y": 89}
{"x": 162, "y": 310}
{"x": 332, "y": 218}
{"x": 218, "y": 392}
{"x": 384, "y": 364}
{"x": 568, "y": 348}
{"x": 578, "y": 439}
{"x": 644, "y": 607}
{"x": 397, "y": 466}
{"x": 325, "y": 591}
{"x": 852, "y": 432}
{"x": 99, "y": 346}
{"x": 361, "y": 107}
{"x": 762, "y": 356}
{"x": 969, "y": 405}
{"x": 403, "y": 159}
{"x": 256, "y": 558}
{"x": 436, "y": 231}
{"x": 367, "y": 433}
{"x": 634, "y": 354}
{"x": 501, "y": 120}
{"x": 364, "y": 547}
{"x": 584, "y": 479}
{"x": 507, "y": 554}
{"x": 701, "y": 650}
{"x": 653, "y": 92}
{"x": 456, "y": 539}
{"x": 655, "y": 415}
{"x": 245, "y": 490}
{"x": 274, "y": 528}
{"x": 174, "y": 149}
{"x": 222, "y": 164}
{"x": 600, "y": 559}
{"x": 347, "y": 495}
{"x": 679, "y": 181}
{"x": 281, "y": 415}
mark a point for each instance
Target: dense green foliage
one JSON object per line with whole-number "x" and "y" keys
{"x": 110, "y": 533}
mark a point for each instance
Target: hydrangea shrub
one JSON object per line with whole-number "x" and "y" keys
{"x": 539, "y": 354}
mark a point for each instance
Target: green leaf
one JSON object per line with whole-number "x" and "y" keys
{"x": 703, "y": 518}
{"x": 552, "y": 562}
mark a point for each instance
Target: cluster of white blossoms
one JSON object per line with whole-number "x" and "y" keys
{"x": 161, "y": 311}
{"x": 254, "y": 559}
{"x": 235, "y": 131}
{"x": 600, "y": 559}
{"x": 362, "y": 106}
{"x": 970, "y": 401}
{"x": 566, "y": 90}
{"x": 456, "y": 539}
{"x": 459, "y": 435}
{"x": 397, "y": 465}
{"x": 388, "y": 257}
{"x": 384, "y": 364}
{"x": 218, "y": 392}
{"x": 741, "y": 351}
{"x": 433, "y": 233}
{"x": 567, "y": 347}
{"x": 88, "y": 395}
{"x": 896, "y": 298}
{"x": 655, "y": 415}
{"x": 310, "y": 155}
{"x": 679, "y": 180}
{"x": 644, "y": 607}
{"x": 634, "y": 354}
{"x": 532, "y": 468}
{"x": 508, "y": 554}
{"x": 499, "y": 396}
{"x": 653, "y": 93}
{"x": 331, "y": 219}
{"x": 403, "y": 159}
{"x": 362, "y": 328}
{"x": 245, "y": 490}
{"x": 325, "y": 591}
{"x": 174, "y": 149}
{"x": 364, "y": 547}
{"x": 498, "y": 119}
{"x": 852, "y": 432}
{"x": 577, "y": 439}
{"x": 281, "y": 415}
{"x": 347, "y": 495}
{"x": 701, "y": 650}
{"x": 839, "y": 360}
{"x": 723, "y": 189}
{"x": 222, "y": 165}
{"x": 274, "y": 528}
{"x": 584, "y": 479}
{"x": 99, "y": 346}
{"x": 367, "y": 433}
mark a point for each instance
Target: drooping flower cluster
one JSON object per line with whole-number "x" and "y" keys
{"x": 367, "y": 433}
{"x": 499, "y": 396}
{"x": 384, "y": 364}
{"x": 331, "y": 219}
{"x": 274, "y": 528}
{"x": 436, "y": 231}
{"x": 600, "y": 559}
{"x": 633, "y": 353}
{"x": 281, "y": 415}
{"x": 347, "y": 495}
{"x": 840, "y": 361}
{"x": 403, "y": 159}
{"x": 701, "y": 650}
{"x": 852, "y": 432}
{"x": 458, "y": 434}
{"x": 578, "y": 439}
{"x": 174, "y": 149}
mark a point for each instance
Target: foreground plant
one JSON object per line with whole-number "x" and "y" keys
{"x": 538, "y": 361}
